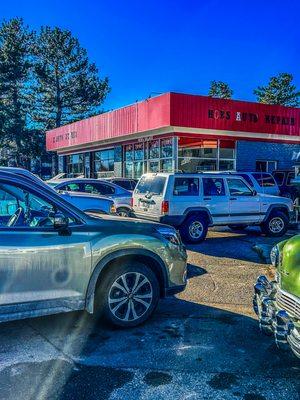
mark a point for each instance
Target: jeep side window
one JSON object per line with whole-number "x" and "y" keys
{"x": 213, "y": 187}
{"x": 238, "y": 188}
{"x": 186, "y": 187}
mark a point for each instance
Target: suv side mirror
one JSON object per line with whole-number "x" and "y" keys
{"x": 61, "y": 223}
{"x": 254, "y": 193}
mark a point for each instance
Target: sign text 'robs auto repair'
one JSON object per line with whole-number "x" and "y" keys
{"x": 250, "y": 117}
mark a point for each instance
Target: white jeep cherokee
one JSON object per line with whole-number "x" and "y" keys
{"x": 193, "y": 202}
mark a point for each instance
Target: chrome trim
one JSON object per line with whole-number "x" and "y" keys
{"x": 289, "y": 303}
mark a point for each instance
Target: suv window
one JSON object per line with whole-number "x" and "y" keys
{"x": 247, "y": 179}
{"x": 71, "y": 187}
{"x": 291, "y": 175}
{"x": 238, "y": 188}
{"x": 21, "y": 208}
{"x": 151, "y": 184}
{"x": 123, "y": 184}
{"x": 186, "y": 187}
{"x": 264, "y": 180}
{"x": 213, "y": 187}
{"x": 98, "y": 188}
{"x": 279, "y": 177}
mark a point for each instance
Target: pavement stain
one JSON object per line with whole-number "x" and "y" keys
{"x": 172, "y": 331}
{"x": 156, "y": 378}
{"x": 254, "y": 396}
{"x": 59, "y": 379}
{"x": 223, "y": 381}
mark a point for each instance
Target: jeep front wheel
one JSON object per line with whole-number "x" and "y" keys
{"x": 128, "y": 294}
{"x": 194, "y": 229}
{"x": 276, "y": 224}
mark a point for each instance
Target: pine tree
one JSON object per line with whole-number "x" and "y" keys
{"x": 68, "y": 86}
{"x": 280, "y": 90}
{"x": 15, "y": 68}
{"x": 220, "y": 90}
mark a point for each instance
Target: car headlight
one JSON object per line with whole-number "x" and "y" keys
{"x": 113, "y": 209}
{"x": 274, "y": 255}
{"x": 170, "y": 234}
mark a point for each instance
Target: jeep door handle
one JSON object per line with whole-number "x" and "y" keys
{"x": 207, "y": 198}
{"x": 233, "y": 198}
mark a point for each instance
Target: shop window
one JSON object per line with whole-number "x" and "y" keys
{"x": 104, "y": 160}
{"x": 138, "y": 169}
{"x": 186, "y": 187}
{"x": 153, "y": 166}
{"x": 166, "y": 147}
{"x": 266, "y": 166}
{"x": 128, "y": 152}
{"x": 153, "y": 148}
{"x": 75, "y": 165}
{"x": 167, "y": 165}
{"x": 128, "y": 168}
{"x": 226, "y": 165}
{"x": 139, "y": 151}
{"x": 213, "y": 187}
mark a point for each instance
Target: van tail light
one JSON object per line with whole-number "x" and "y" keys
{"x": 165, "y": 207}
{"x": 131, "y": 202}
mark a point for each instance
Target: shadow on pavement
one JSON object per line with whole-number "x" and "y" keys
{"x": 88, "y": 360}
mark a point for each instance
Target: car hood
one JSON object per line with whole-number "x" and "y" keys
{"x": 123, "y": 224}
{"x": 275, "y": 199}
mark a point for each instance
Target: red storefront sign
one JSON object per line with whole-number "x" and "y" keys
{"x": 180, "y": 113}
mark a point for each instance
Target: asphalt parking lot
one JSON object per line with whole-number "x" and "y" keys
{"x": 202, "y": 344}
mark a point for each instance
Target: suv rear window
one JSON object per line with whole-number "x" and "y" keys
{"x": 151, "y": 184}
{"x": 186, "y": 187}
{"x": 264, "y": 180}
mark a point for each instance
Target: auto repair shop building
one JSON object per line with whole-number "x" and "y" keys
{"x": 183, "y": 132}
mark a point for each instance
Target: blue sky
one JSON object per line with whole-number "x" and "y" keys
{"x": 158, "y": 46}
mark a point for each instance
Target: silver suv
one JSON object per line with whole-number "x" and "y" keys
{"x": 193, "y": 202}
{"x": 55, "y": 258}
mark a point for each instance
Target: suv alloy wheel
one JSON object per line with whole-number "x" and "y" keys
{"x": 128, "y": 294}
{"x": 276, "y": 224}
{"x": 194, "y": 229}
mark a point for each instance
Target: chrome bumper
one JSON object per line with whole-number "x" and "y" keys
{"x": 273, "y": 320}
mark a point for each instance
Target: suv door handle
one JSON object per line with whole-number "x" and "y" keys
{"x": 207, "y": 198}
{"x": 233, "y": 198}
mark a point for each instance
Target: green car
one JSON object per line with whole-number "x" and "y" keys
{"x": 55, "y": 258}
{"x": 277, "y": 303}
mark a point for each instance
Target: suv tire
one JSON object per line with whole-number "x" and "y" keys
{"x": 122, "y": 298}
{"x": 194, "y": 229}
{"x": 276, "y": 224}
{"x": 123, "y": 212}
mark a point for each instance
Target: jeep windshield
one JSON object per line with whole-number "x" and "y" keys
{"x": 151, "y": 185}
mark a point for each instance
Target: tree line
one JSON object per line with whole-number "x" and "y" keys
{"x": 46, "y": 80}
{"x": 280, "y": 90}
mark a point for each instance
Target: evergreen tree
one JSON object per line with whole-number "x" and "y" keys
{"x": 15, "y": 67}
{"x": 68, "y": 87}
{"x": 280, "y": 90}
{"x": 220, "y": 90}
